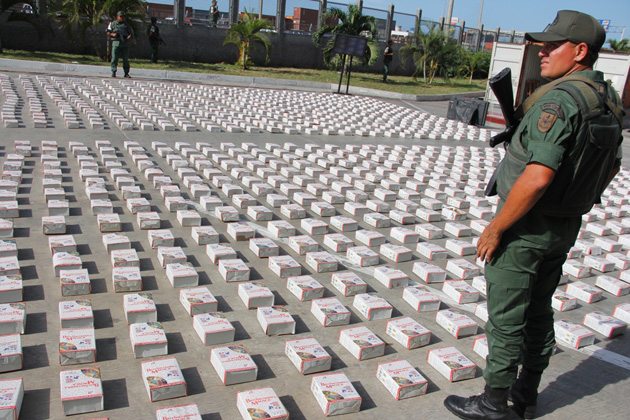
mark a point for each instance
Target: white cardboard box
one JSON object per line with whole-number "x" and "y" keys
{"x": 220, "y": 251}
{"x": 302, "y": 244}
{"x": 330, "y": 312}
{"x": 460, "y": 291}
{"x": 408, "y": 332}
{"x": 321, "y": 261}
{"x": 562, "y": 301}
{"x": 622, "y": 312}
{"x": 361, "y": 343}
{"x": 178, "y": 412}
{"x": 76, "y": 314}
{"x": 480, "y": 346}
{"x": 348, "y": 283}
{"x": 452, "y": 364}
{"x": 204, "y": 235}
{"x": 584, "y": 292}
{"x": 429, "y": 273}
{"x": 62, "y": 243}
{"x": 213, "y": 328}
{"x": 371, "y": 306}
{"x": 335, "y": 394}
{"x": 275, "y": 320}
{"x": 263, "y": 247}
{"x": 61, "y": 261}
{"x": 338, "y": 242}
{"x": 127, "y": 279}
{"x": 77, "y": 346}
{"x": 149, "y": 220}
{"x": 421, "y": 298}
{"x": 307, "y": 355}
{"x": 139, "y": 307}
{"x": 233, "y": 364}
{"x": 456, "y": 323}
{"x": 401, "y": 379}
{"x": 462, "y": 268}
{"x": 198, "y": 300}
{"x": 163, "y": 379}
{"x": 262, "y": 403}
{"x": 240, "y": 231}
{"x": 11, "y": 289}
{"x": 125, "y": 258}
{"x": 284, "y": 266}
{"x": 431, "y": 251}
{"x": 305, "y": 288}
{"x": 10, "y": 354}
{"x": 362, "y": 256}
{"x": 11, "y": 396}
{"x": 81, "y": 391}
{"x": 108, "y": 222}
{"x": 54, "y": 225}
{"x": 148, "y": 339}
{"x": 171, "y": 255}
{"x": 573, "y": 334}
{"x": 161, "y": 238}
{"x": 604, "y": 324}
{"x": 183, "y": 274}
{"x": 255, "y": 294}
{"x": 233, "y": 270}
{"x": 391, "y": 277}
{"x": 612, "y": 285}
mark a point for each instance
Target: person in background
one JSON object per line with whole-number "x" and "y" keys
{"x": 153, "y": 32}
{"x": 563, "y": 155}
{"x": 121, "y": 34}
{"x": 388, "y": 56}
{"x": 214, "y": 13}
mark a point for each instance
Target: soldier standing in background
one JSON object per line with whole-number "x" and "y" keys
{"x": 214, "y": 13}
{"x": 121, "y": 35}
{"x": 153, "y": 32}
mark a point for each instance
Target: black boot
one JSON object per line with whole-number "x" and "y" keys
{"x": 524, "y": 393}
{"x": 491, "y": 405}
{"x": 113, "y": 74}
{"x": 127, "y": 75}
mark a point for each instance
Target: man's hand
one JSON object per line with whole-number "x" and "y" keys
{"x": 128, "y": 37}
{"x": 488, "y": 243}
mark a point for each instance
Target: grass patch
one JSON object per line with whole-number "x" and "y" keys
{"x": 400, "y": 84}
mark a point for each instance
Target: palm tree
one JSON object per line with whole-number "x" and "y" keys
{"x": 354, "y": 22}
{"x": 247, "y": 34}
{"x": 430, "y": 52}
{"x": 9, "y": 14}
{"x": 622, "y": 45}
{"x": 475, "y": 62}
{"x": 85, "y": 16}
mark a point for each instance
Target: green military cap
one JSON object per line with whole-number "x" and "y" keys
{"x": 573, "y": 26}
{"x": 121, "y": 13}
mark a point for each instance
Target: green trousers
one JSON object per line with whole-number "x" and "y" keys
{"x": 521, "y": 280}
{"x": 120, "y": 51}
{"x": 386, "y": 65}
{"x": 154, "y": 51}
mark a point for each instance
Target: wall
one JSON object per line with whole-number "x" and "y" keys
{"x": 193, "y": 44}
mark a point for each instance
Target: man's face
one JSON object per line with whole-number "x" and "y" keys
{"x": 120, "y": 18}
{"x": 558, "y": 58}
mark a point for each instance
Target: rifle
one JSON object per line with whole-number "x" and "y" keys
{"x": 501, "y": 85}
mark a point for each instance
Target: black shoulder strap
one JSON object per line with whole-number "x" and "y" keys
{"x": 595, "y": 97}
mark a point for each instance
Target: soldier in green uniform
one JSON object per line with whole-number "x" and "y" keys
{"x": 121, "y": 35}
{"x": 562, "y": 156}
{"x": 153, "y": 32}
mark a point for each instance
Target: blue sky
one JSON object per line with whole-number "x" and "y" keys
{"x": 529, "y": 15}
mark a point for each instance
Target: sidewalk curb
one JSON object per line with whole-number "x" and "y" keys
{"x": 258, "y": 82}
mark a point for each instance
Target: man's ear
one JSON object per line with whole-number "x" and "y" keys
{"x": 581, "y": 51}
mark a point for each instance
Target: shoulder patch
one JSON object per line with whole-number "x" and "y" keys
{"x": 554, "y": 107}
{"x": 546, "y": 121}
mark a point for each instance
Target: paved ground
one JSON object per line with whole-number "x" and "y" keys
{"x": 576, "y": 383}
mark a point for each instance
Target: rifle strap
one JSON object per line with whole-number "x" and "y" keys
{"x": 598, "y": 87}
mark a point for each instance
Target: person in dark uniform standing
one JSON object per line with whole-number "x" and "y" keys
{"x": 388, "y": 56}
{"x": 121, "y": 34}
{"x": 564, "y": 153}
{"x": 214, "y": 13}
{"x": 153, "y": 32}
